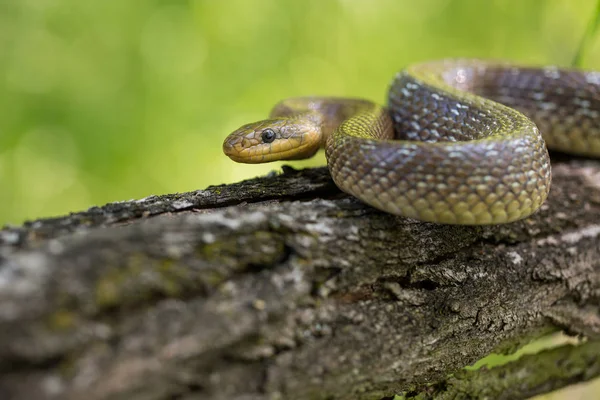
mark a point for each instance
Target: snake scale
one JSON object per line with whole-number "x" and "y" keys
{"x": 458, "y": 143}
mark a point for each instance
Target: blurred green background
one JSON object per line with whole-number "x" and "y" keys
{"x": 113, "y": 100}
{"x": 119, "y": 99}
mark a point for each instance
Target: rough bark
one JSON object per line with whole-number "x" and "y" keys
{"x": 282, "y": 287}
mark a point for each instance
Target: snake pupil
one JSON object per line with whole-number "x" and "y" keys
{"x": 268, "y": 136}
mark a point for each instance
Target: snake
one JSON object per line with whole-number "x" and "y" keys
{"x": 460, "y": 141}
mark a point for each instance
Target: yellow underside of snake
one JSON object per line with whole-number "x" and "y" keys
{"x": 458, "y": 143}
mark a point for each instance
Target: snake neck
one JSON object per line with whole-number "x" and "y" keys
{"x": 324, "y": 115}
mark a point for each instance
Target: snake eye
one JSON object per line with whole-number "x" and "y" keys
{"x": 268, "y": 135}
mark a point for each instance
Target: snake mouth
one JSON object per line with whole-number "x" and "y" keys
{"x": 266, "y": 153}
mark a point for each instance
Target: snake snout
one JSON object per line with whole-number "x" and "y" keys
{"x": 229, "y": 144}
{"x": 234, "y": 144}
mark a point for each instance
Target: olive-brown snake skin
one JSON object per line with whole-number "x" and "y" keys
{"x": 444, "y": 150}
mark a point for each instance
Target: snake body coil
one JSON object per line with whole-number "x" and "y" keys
{"x": 459, "y": 142}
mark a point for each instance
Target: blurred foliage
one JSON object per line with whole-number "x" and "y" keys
{"x": 112, "y": 100}
{"x": 590, "y": 34}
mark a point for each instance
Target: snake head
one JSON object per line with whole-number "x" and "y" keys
{"x": 272, "y": 140}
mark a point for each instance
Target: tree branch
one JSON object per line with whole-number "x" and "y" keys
{"x": 526, "y": 377}
{"x": 282, "y": 287}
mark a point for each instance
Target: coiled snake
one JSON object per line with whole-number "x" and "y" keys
{"x": 455, "y": 145}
